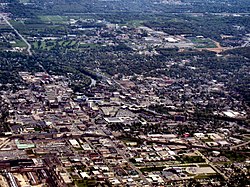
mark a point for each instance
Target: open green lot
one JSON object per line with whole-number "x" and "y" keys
{"x": 24, "y": 1}
{"x": 202, "y": 42}
{"x": 85, "y": 183}
{"x": 50, "y": 44}
{"x": 19, "y": 43}
{"x": 54, "y": 19}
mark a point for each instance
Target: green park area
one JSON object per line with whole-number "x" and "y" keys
{"x": 55, "y": 19}
{"x": 201, "y": 42}
{"x": 48, "y": 45}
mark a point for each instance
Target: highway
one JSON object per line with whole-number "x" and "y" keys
{"x": 16, "y": 31}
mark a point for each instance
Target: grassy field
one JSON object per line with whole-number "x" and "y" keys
{"x": 151, "y": 169}
{"x": 192, "y": 159}
{"x": 19, "y": 43}
{"x": 135, "y": 23}
{"x": 85, "y": 183}
{"x": 202, "y": 42}
{"x": 50, "y": 44}
{"x": 44, "y": 45}
{"x": 4, "y": 26}
{"x": 19, "y": 25}
{"x": 54, "y": 19}
{"x": 24, "y": 1}
{"x": 205, "y": 176}
{"x": 89, "y": 45}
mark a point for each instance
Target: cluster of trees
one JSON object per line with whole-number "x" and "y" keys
{"x": 12, "y": 63}
{"x": 120, "y": 11}
{"x": 210, "y": 26}
{"x": 121, "y": 59}
{"x": 242, "y": 83}
{"x": 19, "y": 10}
{"x": 192, "y": 159}
{"x": 141, "y": 6}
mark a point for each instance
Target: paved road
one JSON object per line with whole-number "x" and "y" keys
{"x": 240, "y": 145}
{"x": 4, "y": 143}
{"x": 104, "y": 160}
{"x": 246, "y": 44}
{"x": 122, "y": 153}
{"x": 27, "y": 43}
{"x": 98, "y": 72}
{"x": 212, "y": 165}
